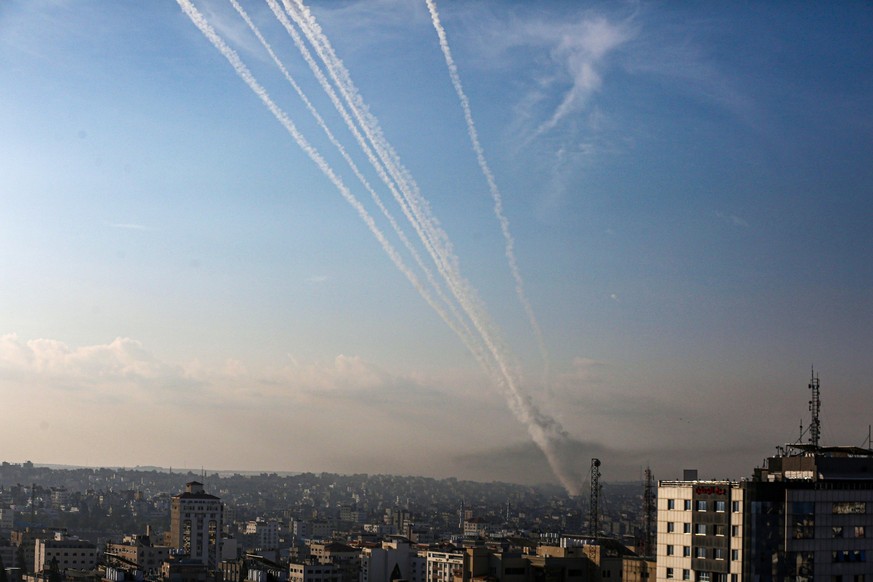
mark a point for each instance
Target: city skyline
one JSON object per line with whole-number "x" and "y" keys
{"x": 686, "y": 193}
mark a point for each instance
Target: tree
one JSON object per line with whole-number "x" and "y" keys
{"x": 21, "y": 559}
{"x": 54, "y": 572}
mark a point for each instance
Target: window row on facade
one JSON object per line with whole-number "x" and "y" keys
{"x": 704, "y": 529}
{"x": 717, "y": 505}
{"x": 701, "y": 576}
{"x": 702, "y": 552}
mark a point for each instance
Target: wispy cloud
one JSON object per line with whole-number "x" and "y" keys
{"x": 359, "y": 20}
{"x": 317, "y": 279}
{"x": 559, "y": 64}
{"x": 570, "y": 57}
{"x": 673, "y": 54}
{"x": 581, "y": 51}
{"x": 733, "y": 220}
{"x": 128, "y": 226}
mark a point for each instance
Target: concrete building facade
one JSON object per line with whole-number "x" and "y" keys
{"x": 137, "y": 551}
{"x": 810, "y": 516}
{"x": 196, "y": 524}
{"x": 70, "y": 553}
{"x": 806, "y": 515}
{"x": 700, "y": 531}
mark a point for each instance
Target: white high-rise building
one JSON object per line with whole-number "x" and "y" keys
{"x": 700, "y": 531}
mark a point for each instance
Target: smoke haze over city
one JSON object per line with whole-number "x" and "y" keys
{"x": 580, "y": 229}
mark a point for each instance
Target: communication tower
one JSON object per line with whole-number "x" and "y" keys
{"x": 594, "y": 504}
{"x": 648, "y": 513}
{"x": 814, "y": 409}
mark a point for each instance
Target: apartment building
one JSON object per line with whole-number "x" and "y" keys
{"x": 700, "y": 530}
{"x": 196, "y": 524}
{"x": 70, "y": 553}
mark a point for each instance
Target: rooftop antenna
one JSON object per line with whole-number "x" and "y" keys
{"x": 814, "y": 409}
{"x": 594, "y": 502}
{"x": 648, "y": 512}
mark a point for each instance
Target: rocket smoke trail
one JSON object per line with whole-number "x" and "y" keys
{"x": 486, "y": 345}
{"x": 243, "y": 72}
{"x": 385, "y": 160}
{"x": 545, "y": 431}
{"x": 410, "y": 207}
{"x": 437, "y": 288}
{"x": 509, "y": 242}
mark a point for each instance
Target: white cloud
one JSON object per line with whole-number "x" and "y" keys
{"x": 123, "y": 358}
{"x": 128, "y": 226}
{"x": 733, "y": 220}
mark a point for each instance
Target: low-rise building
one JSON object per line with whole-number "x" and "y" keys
{"x": 70, "y": 553}
{"x": 314, "y": 573}
{"x": 137, "y": 551}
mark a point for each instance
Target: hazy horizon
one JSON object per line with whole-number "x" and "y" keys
{"x": 624, "y": 231}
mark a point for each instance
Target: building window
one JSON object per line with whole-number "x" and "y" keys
{"x": 735, "y": 555}
{"x": 837, "y": 531}
{"x": 670, "y": 549}
{"x": 699, "y": 552}
{"x": 849, "y": 556}
{"x": 718, "y": 554}
{"x": 669, "y": 573}
{"x": 701, "y": 505}
{"x": 686, "y": 528}
{"x": 735, "y": 530}
{"x": 719, "y": 529}
{"x": 686, "y": 551}
{"x": 686, "y": 574}
{"x": 803, "y": 513}
{"x": 849, "y": 507}
{"x": 860, "y": 531}
{"x": 687, "y": 505}
{"x": 719, "y": 505}
{"x": 670, "y": 526}
{"x": 700, "y": 529}
{"x": 671, "y": 504}
{"x": 735, "y": 506}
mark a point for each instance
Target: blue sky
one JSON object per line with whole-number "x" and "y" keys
{"x": 688, "y": 188}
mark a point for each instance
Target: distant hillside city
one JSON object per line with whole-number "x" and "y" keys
{"x": 805, "y": 515}
{"x": 268, "y": 518}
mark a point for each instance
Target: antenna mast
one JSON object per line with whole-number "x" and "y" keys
{"x": 814, "y": 409}
{"x": 594, "y": 505}
{"x": 648, "y": 513}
